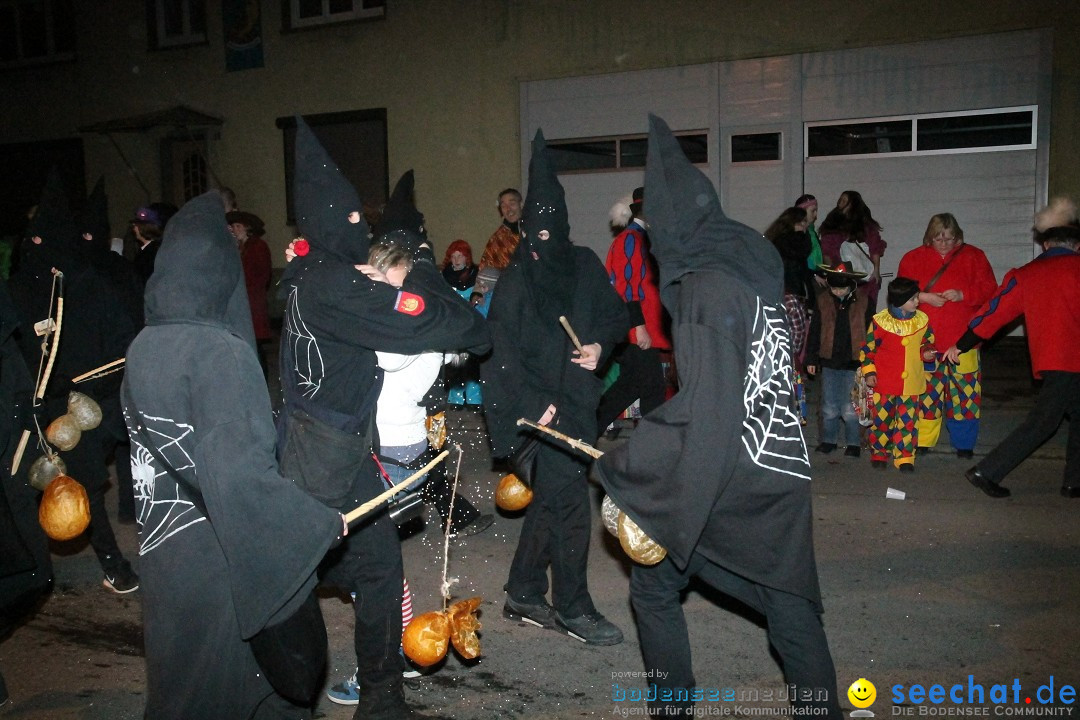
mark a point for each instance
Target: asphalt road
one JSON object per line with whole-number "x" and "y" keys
{"x": 932, "y": 589}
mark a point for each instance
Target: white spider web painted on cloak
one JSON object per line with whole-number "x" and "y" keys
{"x": 774, "y": 434}
{"x": 163, "y": 511}
{"x": 306, "y": 358}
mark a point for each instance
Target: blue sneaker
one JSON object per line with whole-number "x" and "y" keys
{"x": 346, "y": 692}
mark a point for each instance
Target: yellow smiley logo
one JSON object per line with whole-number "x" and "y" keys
{"x": 862, "y": 693}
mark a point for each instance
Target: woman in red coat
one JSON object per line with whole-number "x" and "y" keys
{"x": 248, "y": 230}
{"x": 955, "y": 279}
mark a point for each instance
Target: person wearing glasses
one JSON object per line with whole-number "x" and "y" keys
{"x": 955, "y": 279}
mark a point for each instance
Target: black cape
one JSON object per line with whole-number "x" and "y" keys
{"x": 195, "y": 394}
{"x": 25, "y": 564}
{"x": 721, "y": 468}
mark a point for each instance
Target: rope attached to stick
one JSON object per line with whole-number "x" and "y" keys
{"x": 444, "y": 588}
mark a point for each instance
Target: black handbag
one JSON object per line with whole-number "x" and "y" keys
{"x": 523, "y": 460}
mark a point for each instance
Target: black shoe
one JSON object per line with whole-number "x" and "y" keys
{"x": 539, "y": 614}
{"x": 121, "y": 579}
{"x": 878, "y": 464}
{"x": 852, "y": 451}
{"x": 923, "y": 450}
{"x": 476, "y": 526}
{"x": 965, "y": 454}
{"x": 907, "y": 468}
{"x": 825, "y": 448}
{"x": 985, "y": 484}
{"x": 1070, "y": 492}
{"x": 591, "y": 629}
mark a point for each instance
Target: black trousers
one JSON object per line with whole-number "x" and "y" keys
{"x": 337, "y": 468}
{"x": 794, "y": 629}
{"x": 640, "y": 376}
{"x": 1059, "y": 396}
{"x": 368, "y": 563}
{"x": 555, "y": 532}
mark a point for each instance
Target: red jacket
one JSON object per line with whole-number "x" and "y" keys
{"x": 969, "y": 272}
{"x": 255, "y": 256}
{"x": 632, "y": 271}
{"x": 1046, "y": 292}
{"x": 894, "y": 349}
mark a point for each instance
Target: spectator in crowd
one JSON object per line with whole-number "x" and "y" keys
{"x": 851, "y": 235}
{"x": 462, "y": 373}
{"x": 248, "y": 229}
{"x": 837, "y": 333}
{"x": 955, "y": 280}
{"x": 147, "y": 226}
{"x": 788, "y": 235}
{"x": 501, "y": 245}
{"x": 458, "y": 268}
{"x": 810, "y": 205}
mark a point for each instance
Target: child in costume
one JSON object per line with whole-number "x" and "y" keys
{"x": 833, "y": 346}
{"x": 898, "y": 342}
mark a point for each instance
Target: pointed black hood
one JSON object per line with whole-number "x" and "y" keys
{"x": 198, "y": 277}
{"x": 545, "y": 206}
{"x": 689, "y": 230}
{"x": 56, "y": 227}
{"x": 401, "y": 223}
{"x": 548, "y": 263}
{"x": 94, "y": 221}
{"x": 324, "y": 199}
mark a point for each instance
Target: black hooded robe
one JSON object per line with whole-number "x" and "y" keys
{"x": 719, "y": 474}
{"x": 530, "y": 368}
{"x": 194, "y": 394}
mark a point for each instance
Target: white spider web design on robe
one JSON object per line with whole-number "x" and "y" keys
{"x": 162, "y": 510}
{"x": 306, "y": 358}
{"x": 773, "y": 436}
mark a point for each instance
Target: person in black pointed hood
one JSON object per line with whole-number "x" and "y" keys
{"x": 534, "y": 368}
{"x": 223, "y": 537}
{"x": 95, "y": 330}
{"x": 336, "y": 317}
{"x": 719, "y": 474}
{"x": 401, "y": 223}
{"x": 123, "y": 283}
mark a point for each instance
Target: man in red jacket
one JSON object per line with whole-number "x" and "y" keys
{"x": 1046, "y": 292}
{"x": 632, "y": 271}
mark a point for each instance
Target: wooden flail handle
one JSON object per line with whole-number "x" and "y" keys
{"x": 577, "y": 444}
{"x": 570, "y": 331}
{"x": 379, "y": 499}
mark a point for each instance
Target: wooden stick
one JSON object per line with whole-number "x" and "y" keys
{"x": 16, "y": 460}
{"x": 570, "y": 331}
{"x": 19, "y": 452}
{"x": 52, "y": 351}
{"x": 578, "y": 444}
{"x": 383, "y": 497}
{"x": 87, "y": 375}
